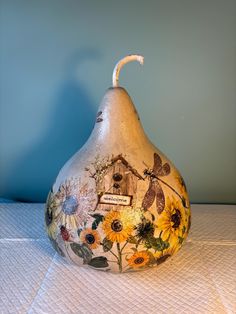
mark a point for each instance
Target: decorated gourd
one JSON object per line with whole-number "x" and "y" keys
{"x": 118, "y": 204}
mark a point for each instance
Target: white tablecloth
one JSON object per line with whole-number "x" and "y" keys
{"x": 201, "y": 278}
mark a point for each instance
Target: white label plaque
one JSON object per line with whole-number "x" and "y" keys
{"x": 115, "y": 199}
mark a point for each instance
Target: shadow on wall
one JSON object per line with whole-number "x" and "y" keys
{"x": 72, "y": 120}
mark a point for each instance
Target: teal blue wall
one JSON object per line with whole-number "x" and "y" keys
{"x": 56, "y": 63}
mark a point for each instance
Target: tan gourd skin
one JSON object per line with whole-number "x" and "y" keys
{"x": 118, "y": 204}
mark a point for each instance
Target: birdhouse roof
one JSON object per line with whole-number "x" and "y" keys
{"x": 125, "y": 163}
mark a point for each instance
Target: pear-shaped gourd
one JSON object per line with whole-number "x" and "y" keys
{"x": 118, "y": 204}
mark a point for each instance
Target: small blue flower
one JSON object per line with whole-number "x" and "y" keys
{"x": 70, "y": 205}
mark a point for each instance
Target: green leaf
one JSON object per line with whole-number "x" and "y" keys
{"x": 150, "y": 242}
{"x": 56, "y": 247}
{"x": 98, "y": 262}
{"x": 77, "y": 249}
{"x": 97, "y": 216}
{"x": 166, "y": 245}
{"x": 87, "y": 254}
{"x": 152, "y": 259}
{"x": 132, "y": 239}
{"x": 107, "y": 245}
{"x": 94, "y": 225}
{"x": 82, "y": 251}
{"x": 148, "y": 245}
{"x": 98, "y": 219}
{"x": 156, "y": 243}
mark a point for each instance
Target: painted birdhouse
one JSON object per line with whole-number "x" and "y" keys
{"x": 118, "y": 185}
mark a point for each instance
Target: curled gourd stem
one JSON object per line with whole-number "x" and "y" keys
{"x": 120, "y": 64}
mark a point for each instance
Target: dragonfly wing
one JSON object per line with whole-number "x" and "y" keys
{"x": 149, "y": 196}
{"x": 157, "y": 163}
{"x": 165, "y": 170}
{"x": 160, "y": 198}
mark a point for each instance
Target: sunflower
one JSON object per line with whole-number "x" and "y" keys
{"x": 118, "y": 225}
{"x": 90, "y": 237}
{"x": 139, "y": 259}
{"x": 172, "y": 222}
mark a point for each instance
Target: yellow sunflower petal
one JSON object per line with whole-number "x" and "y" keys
{"x": 172, "y": 220}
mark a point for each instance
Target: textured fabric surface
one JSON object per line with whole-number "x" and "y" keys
{"x": 201, "y": 278}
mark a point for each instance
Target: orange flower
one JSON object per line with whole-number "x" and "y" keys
{"x": 139, "y": 259}
{"x": 90, "y": 237}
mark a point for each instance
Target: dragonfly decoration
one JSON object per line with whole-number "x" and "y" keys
{"x": 154, "y": 189}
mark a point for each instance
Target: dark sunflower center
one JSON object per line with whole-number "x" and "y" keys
{"x": 176, "y": 218}
{"x": 139, "y": 260}
{"x": 70, "y": 205}
{"x": 116, "y": 225}
{"x": 90, "y": 239}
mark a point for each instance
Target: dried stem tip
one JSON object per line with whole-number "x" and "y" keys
{"x": 120, "y": 64}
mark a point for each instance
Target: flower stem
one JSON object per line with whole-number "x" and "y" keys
{"x": 124, "y": 246}
{"x": 114, "y": 255}
{"x": 139, "y": 241}
{"x": 120, "y": 257}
